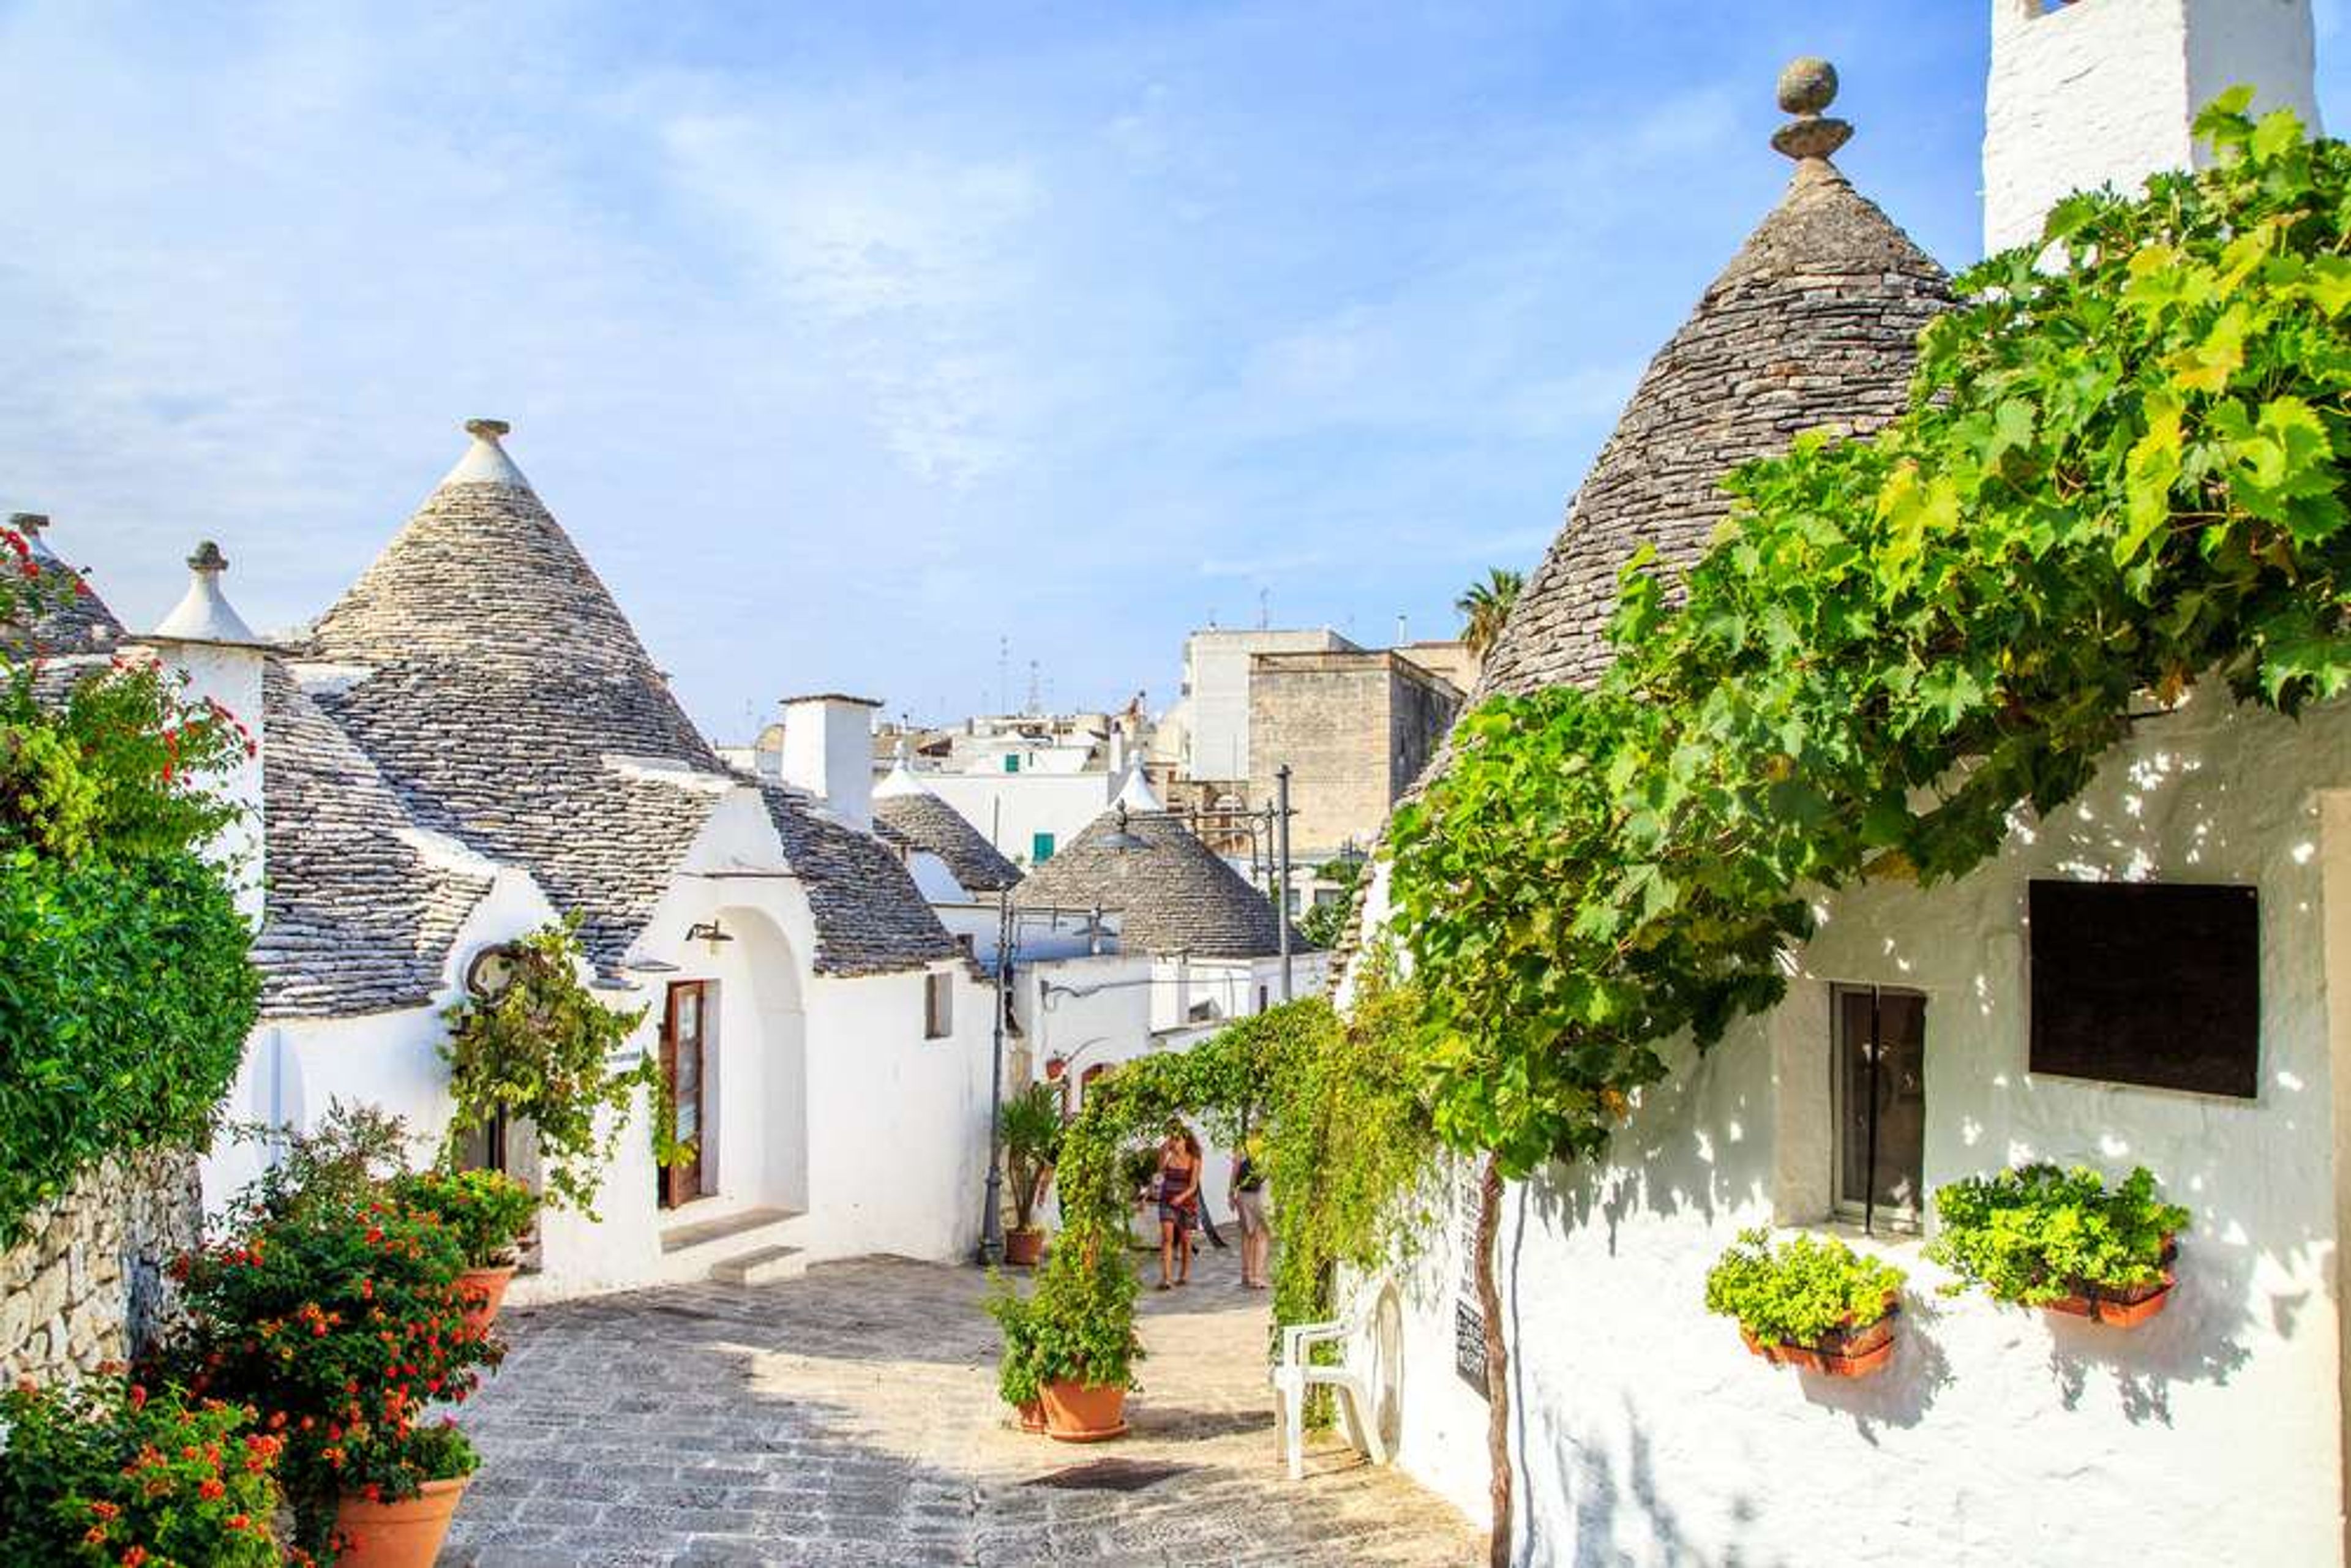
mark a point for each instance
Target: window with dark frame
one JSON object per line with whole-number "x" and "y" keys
{"x": 2149, "y": 983}
{"x": 938, "y": 1006}
{"x": 1878, "y": 1085}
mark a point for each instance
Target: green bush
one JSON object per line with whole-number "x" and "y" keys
{"x": 1017, "y": 1380}
{"x": 2039, "y": 1233}
{"x": 487, "y": 1211}
{"x": 537, "y": 1052}
{"x": 1797, "y": 1292}
{"x": 124, "y": 1007}
{"x": 104, "y": 1473}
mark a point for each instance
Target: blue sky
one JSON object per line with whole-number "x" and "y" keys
{"x": 849, "y": 340}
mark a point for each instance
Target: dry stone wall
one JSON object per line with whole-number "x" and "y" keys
{"x": 88, "y": 1284}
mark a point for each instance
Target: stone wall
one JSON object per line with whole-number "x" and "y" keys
{"x": 1355, "y": 728}
{"x": 88, "y": 1284}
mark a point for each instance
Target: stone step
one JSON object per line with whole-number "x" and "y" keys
{"x": 724, "y": 1227}
{"x": 764, "y": 1266}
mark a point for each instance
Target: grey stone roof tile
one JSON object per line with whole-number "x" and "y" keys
{"x": 870, "y": 919}
{"x": 1172, "y": 895}
{"x": 357, "y": 918}
{"x": 924, "y": 822}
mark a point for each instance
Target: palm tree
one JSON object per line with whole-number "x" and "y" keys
{"x": 1485, "y": 606}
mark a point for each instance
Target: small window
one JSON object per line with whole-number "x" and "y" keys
{"x": 1012, "y": 762}
{"x": 1264, "y": 998}
{"x": 1041, "y": 848}
{"x": 968, "y": 945}
{"x": 2149, "y": 983}
{"x": 1880, "y": 1085}
{"x": 938, "y": 1005}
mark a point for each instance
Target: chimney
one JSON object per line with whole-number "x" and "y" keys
{"x": 2105, "y": 91}
{"x": 829, "y": 753}
{"x": 207, "y": 641}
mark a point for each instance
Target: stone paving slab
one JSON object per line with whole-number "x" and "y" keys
{"x": 848, "y": 1419}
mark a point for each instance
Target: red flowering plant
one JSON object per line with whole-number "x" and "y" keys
{"x": 108, "y": 1473}
{"x": 339, "y": 1320}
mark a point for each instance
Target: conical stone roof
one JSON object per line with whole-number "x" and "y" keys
{"x": 79, "y": 623}
{"x": 920, "y": 820}
{"x": 1815, "y": 323}
{"x": 509, "y": 704}
{"x": 1171, "y": 894}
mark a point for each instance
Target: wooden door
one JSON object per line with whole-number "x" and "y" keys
{"x": 684, "y": 1029}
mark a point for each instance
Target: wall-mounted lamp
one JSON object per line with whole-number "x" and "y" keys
{"x": 708, "y": 931}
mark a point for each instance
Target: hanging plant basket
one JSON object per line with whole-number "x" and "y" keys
{"x": 1851, "y": 1351}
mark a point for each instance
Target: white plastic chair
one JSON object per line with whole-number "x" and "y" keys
{"x": 1296, "y": 1374}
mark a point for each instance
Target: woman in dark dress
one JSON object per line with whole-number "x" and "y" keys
{"x": 1179, "y": 1200}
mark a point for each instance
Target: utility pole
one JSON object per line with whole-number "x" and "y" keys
{"x": 991, "y": 1214}
{"x": 1281, "y": 866}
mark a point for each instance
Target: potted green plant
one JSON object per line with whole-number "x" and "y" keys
{"x": 1811, "y": 1303}
{"x": 107, "y": 1472}
{"x": 489, "y": 1213}
{"x": 2039, "y": 1236}
{"x": 1031, "y": 1128}
{"x": 1081, "y": 1343}
{"x": 336, "y": 1320}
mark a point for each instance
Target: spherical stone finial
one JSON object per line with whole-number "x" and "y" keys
{"x": 208, "y": 558}
{"x": 487, "y": 429}
{"x": 1808, "y": 84}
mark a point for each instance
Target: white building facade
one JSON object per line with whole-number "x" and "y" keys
{"x": 1641, "y": 1430}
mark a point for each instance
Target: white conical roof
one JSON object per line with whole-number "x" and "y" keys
{"x": 901, "y": 782}
{"x": 1136, "y": 794}
{"x": 203, "y": 614}
{"x": 485, "y": 462}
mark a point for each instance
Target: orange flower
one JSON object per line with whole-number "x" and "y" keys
{"x": 211, "y": 1489}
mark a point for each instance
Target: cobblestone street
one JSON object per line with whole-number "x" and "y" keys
{"x": 851, "y": 1418}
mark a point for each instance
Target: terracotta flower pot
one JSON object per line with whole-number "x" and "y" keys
{"x": 404, "y": 1534}
{"x": 1841, "y": 1353}
{"x": 1032, "y": 1415}
{"x": 1083, "y": 1412}
{"x": 484, "y": 1289}
{"x": 2122, "y": 1307}
{"x": 1023, "y": 1249}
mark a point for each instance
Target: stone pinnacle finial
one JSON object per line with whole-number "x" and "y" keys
{"x": 208, "y": 558}
{"x": 28, "y": 522}
{"x": 487, "y": 429}
{"x": 1807, "y": 87}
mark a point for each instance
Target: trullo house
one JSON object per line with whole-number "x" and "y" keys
{"x": 471, "y": 742}
{"x": 1641, "y": 1430}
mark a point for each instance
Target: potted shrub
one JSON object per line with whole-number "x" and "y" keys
{"x": 337, "y": 1322}
{"x": 1813, "y": 1303}
{"x": 489, "y": 1213}
{"x": 2039, "y": 1236}
{"x": 1081, "y": 1342}
{"x": 1016, "y": 1374}
{"x": 399, "y": 1495}
{"x": 1031, "y": 1128}
{"x": 106, "y": 1472}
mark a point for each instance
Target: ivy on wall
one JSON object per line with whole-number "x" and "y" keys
{"x": 126, "y": 995}
{"x": 1337, "y": 1106}
{"x": 2117, "y": 476}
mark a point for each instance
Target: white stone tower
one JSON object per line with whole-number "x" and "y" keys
{"x": 2091, "y": 92}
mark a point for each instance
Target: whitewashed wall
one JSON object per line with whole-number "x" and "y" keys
{"x": 1011, "y": 809}
{"x": 1646, "y": 1433}
{"x": 2105, "y": 90}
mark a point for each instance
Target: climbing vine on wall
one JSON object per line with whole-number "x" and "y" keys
{"x": 1337, "y": 1104}
{"x": 2118, "y": 476}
